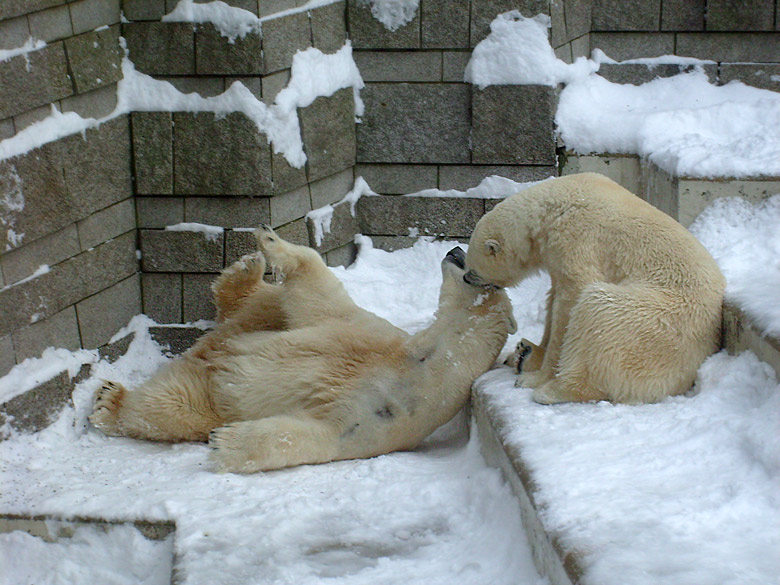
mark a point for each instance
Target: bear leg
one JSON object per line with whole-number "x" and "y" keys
{"x": 272, "y": 443}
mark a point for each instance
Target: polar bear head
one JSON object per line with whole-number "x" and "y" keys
{"x": 501, "y": 249}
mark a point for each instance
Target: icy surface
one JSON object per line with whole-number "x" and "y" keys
{"x": 744, "y": 239}
{"x": 393, "y": 14}
{"x": 434, "y": 515}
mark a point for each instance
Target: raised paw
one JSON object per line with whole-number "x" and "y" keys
{"x": 108, "y": 402}
{"x": 518, "y": 357}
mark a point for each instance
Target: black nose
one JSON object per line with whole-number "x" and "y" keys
{"x": 457, "y": 256}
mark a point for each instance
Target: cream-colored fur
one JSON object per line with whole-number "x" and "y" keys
{"x": 297, "y": 373}
{"x": 635, "y": 302}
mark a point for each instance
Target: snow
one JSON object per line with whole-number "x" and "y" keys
{"x": 30, "y": 45}
{"x": 393, "y": 14}
{"x": 210, "y": 232}
{"x": 517, "y": 52}
{"x": 322, "y": 216}
{"x": 232, "y": 22}
{"x": 491, "y": 187}
{"x": 684, "y": 124}
{"x": 744, "y": 239}
{"x": 434, "y": 515}
{"x": 119, "y": 555}
{"x": 313, "y": 74}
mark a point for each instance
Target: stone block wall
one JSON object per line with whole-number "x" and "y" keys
{"x": 424, "y": 127}
{"x": 740, "y": 36}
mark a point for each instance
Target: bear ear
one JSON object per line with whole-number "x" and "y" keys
{"x": 492, "y": 247}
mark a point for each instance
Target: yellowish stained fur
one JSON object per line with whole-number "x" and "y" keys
{"x": 635, "y": 302}
{"x": 297, "y": 373}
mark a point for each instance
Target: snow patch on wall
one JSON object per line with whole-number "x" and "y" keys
{"x": 393, "y": 14}
{"x": 321, "y": 217}
{"x": 210, "y": 232}
{"x": 492, "y": 187}
{"x": 11, "y": 204}
{"x": 231, "y": 22}
{"x": 30, "y": 45}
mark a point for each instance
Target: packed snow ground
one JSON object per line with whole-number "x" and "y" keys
{"x": 435, "y": 515}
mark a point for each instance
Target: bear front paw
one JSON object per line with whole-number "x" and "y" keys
{"x": 108, "y": 402}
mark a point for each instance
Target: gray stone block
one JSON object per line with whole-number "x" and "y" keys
{"x": 88, "y": 15}
{"x": 429, "y": 216}
{"x": 399, "y": 65}
{"x": 580, "y": 47}
{"x": 15, "y": 32}
{"x": 633, "y": 45}
{"x": 228, "y": 212}
{"x": 59, "y": 330}
{"x": 7, "y": 128}
{"x": 106, "y": 224}
{"x": 282, "y": 38}
{"x": 176, "y": 340}
{"x": 158, "y": 212}
{"x": 445, "y": 24}
{"x": 51, "y": 25}
{"x": 11, "y": 8}
{"x": 216, "y": 55}
{"x": 197, "y": 298}
{"x": 285, "y": 176}
{"x": 38, "y": 408}
{"x": 331, "y": 189}
{"x": 95, "y": 59}
{"x": 253, "y": 84}
{"x": 398, "y": 179}
{"x": 105, "y": 313}
{"x": 94, "y": 104}
{"x": 366, "y": 32}
{"x": 328, "y": 132}
{"x": 564, "y": 53}
{"x": 268, "y": 7}
{"x": 33, "y": 79}
{"x": 682, "y": 15}
{"x": 578, "y": 15}
{"x": 25, "y": 119}
{"x": 630, "y": 15}
{"x": 97, "y": 166}
{"x": 290, "y": 206}
{"x": 393, "y": 243}
{"x": 203, "y": 86}
{"x": 466, "y": 177}
{"x": 143, "y": 9}
{"x": 454, "y": 65}
{"x": 557, "y": 33}
{"x": 153, "y": 152}
{"x": 513, "y": 124}
{"x": 49, "y": 250}
{"x": 114, "y": 350}
{"x": 161, "y": 295}
{"x": 343, "y": 256}
{"x": 329, "y": 27}
{"x": 765, "y": 75}
{"x": 414, "y": 123}
{"x": 68, "y": 283}
{"x": 273, "y": 84}
{"x": 161, "y": 48}
{"x": 172, "y": 251}
{"x": 294, "y": 232}
{"x": 730, "y": 47}
{"x": 240, "y": 243}
{"x": 637, "y": 73}
{"x": 7, "y": 360}
{"x": 343, "y": 227}
{"x": 483, "y": 12}
{"x": 745, "y": 15}
{"x": 203, "y": 144}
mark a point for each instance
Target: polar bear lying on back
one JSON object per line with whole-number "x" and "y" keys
{"x": 635, "y": 303}
{"x": 298, "y": 373}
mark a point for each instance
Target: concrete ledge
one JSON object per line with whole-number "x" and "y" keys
{"x": 740, "y": 334}
{"x": 560, "y": 566}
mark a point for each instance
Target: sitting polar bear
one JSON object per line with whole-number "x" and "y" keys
{"x": 297, "y": 373}
{"x": 635, "y": 302}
